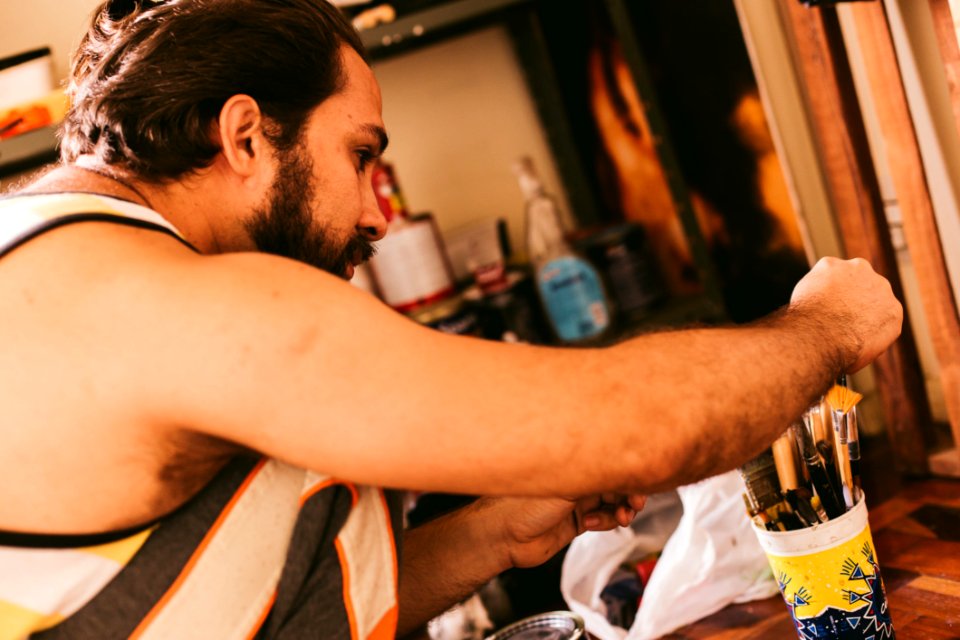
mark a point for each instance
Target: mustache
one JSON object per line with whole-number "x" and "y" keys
{"x": 359, "y": 249}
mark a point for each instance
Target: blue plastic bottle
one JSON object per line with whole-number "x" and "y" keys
{"x": 569, "y": 286}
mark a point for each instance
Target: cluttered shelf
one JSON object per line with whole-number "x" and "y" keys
{"x": 31, "y": 108}
{"x": 384, "y": 31}
{"x": 593, "y": 287}
{"x": 28, "y": 150}
{"x": 917, "y": 536}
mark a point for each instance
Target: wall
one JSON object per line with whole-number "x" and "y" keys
{"x": 54, "y": 23}
{"x": 57, "y": 24}
{"x": 459, "y": 114}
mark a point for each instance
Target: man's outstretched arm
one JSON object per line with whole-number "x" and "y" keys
{"x": 290, "y": 362}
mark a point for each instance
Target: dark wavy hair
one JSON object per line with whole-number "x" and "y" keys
{"x": 150, "y": 77}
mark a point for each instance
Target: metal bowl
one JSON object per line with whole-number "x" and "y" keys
{"x": 556, "y": 625}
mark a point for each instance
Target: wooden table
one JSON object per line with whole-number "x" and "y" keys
{"x": 917, "y": 537}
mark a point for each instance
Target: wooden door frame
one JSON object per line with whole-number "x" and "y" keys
{"x": 839, "y": 130}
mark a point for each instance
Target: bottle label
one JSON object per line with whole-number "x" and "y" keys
{"x": 573, "y": 297}
{"x": 410, "y": 267}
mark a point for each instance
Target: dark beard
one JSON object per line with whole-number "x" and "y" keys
{"x": 285, "y": 227}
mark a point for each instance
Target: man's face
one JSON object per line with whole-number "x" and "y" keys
{"x": 321, "y": 208}
{"x": 285, "y": 226}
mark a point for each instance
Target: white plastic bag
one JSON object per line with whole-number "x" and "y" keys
{"x": 710, "y": 560}
{"x": 593, "y": 557}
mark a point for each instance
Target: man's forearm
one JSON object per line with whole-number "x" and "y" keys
{"x": 446, "y": 560}
{"x": 741, "y": 387}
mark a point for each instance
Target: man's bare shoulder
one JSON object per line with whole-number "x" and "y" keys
{"x": 77, "y": 456}
{"x": 140, "y": 310}
{"x": 77, "y": 268}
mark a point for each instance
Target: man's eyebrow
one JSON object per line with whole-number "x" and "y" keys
{"x": 380, "y": 134}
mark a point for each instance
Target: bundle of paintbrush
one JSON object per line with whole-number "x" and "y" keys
{"x": 811, "y": 473}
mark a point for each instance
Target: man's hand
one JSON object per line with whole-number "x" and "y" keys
{"x": 853, "y": 298}
{"x": 532, "y": 530}
{"x": 448, "y": 558}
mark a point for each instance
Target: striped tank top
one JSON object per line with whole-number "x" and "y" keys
{"x": 264, "y": 550}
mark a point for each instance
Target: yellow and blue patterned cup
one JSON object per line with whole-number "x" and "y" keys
{"x": 829, "y": 578}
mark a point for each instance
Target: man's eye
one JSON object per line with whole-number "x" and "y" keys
{"x": 364, "y": 159}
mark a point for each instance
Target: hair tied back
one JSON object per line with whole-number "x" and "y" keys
{"x": 120, "y": 9}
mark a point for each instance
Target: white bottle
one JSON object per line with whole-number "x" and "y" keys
{"x": 569, "y": 286}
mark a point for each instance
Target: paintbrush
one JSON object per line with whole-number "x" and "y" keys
{"x": 823, "y": 437}
{"x": 760, "y": 478}
{"x": 782, "y": 514}
{"x": 785, "y": 459}
{"x": 753, "y": 513}
{"x": 795, "y": 506}
{"x": 817, "y": 420}
{"x": 829, "y": 455}
{"x": 804, "y": 473}
{"x": 769, "y": 524}
{"x": 819, "y": 476}
{"x": 843, "y": 401}
{"x": 812, "y": 511}
{"x": 853, "y": 452}
{"x": 818, "y": 508}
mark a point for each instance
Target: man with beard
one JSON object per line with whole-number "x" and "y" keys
{"x": 197, "y": 432}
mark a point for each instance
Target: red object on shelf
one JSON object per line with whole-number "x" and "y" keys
{"x": 17, "y": 121}
{"x": 389, "y": 197}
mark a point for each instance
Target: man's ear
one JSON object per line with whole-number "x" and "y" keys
{"x": 240, "y": 133}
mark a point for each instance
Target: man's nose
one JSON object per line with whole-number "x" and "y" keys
{"x": 373, "y": 224}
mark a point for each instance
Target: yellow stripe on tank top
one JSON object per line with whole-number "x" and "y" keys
{"x": 18, "y": 622}
{"x": 49, "y": 206}
{"x": 120, "y": 551}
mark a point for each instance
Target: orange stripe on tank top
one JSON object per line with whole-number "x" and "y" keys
{"x": 347, "y": 600}
{"x": 145, "y": 623}
{"x": 393, "y": 545}
{"x": 263, "y": 617}
{"x": 386, "y": 627}
{"x": 329, "y": 482}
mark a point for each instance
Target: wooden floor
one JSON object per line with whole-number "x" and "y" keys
{"x": 917, "y": 537}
